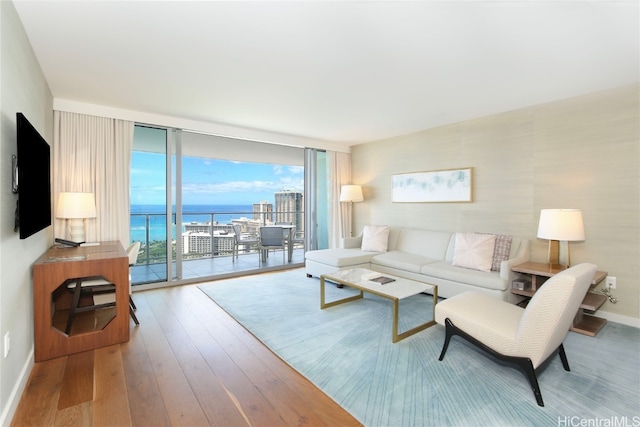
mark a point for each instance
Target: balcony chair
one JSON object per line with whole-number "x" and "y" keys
{"x": 526, "y": 337}
{"x": 298, "y": 237}
{"x": 272, "y": 237}
{"x": 289, "y": 230}
{"x": 132, "y": 251}
{"x": 239, "y": 241}
{"x": 100, "y": 290}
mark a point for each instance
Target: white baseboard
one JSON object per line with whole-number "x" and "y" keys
{"x": 617, "y": 318}
{"x": 16, "y": 393}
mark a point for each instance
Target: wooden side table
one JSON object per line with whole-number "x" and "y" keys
{"x": 51, "y": 271}
{"x": 583, "y": 323}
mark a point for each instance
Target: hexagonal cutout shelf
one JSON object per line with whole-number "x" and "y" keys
{"x": 94, "y": 299}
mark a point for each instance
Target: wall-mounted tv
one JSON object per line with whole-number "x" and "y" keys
{"x": 34, "y": 179}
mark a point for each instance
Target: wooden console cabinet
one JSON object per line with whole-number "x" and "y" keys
{"x": 583, "y": 323}
{"x": 52, "y": 270}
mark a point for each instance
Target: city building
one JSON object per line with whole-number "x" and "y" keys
{"x": 207, "y": 238}
{"x": 248, "y": 226}
{"x": 263, "y": 211}
{"x": 290, "y": 208}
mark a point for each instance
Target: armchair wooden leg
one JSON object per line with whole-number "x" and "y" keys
{"x": 133, "y": 316}
{"x": 563, "y": 357}
{"x": 530, "y": 372}
{"x": 448, "y": 334}
{"x": 74, "y": 306}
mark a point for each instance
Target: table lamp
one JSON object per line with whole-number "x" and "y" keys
{"x": 76, "y": 207}
{"x": 560, "y": 225}
{"x": 351, "y": 193}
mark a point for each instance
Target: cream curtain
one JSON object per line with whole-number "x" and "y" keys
{"x": 340, "y": 213}
{"x": 93, "y": 154}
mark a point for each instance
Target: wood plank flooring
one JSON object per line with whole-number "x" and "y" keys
{"x": 187, "y": 364}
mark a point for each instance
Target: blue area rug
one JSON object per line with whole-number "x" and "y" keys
{"x": 347, "y": 352}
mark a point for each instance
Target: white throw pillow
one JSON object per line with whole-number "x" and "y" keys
{"x": 474, "y": 250}
{"x": 375, "y": 238}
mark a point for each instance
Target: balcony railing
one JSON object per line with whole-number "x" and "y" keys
{"x": 211, "y": 234}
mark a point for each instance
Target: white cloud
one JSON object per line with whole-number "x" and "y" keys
{"x": 243, "y": 186}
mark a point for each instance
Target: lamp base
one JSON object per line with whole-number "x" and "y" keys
{"x": 76, "y": 230}
{"x": 554, "y": 256}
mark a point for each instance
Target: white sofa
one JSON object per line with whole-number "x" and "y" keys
{"x": 422, "y": 255}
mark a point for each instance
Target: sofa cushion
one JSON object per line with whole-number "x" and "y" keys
{"x": 427, "y": 243}
{"x": 375, "y": 238}
{"x": 474, "y": 251}
{"x": 402, "y": 261}
{"x": 445, "y": 270}
{"x": 340, "y": 257}
{"x": 501, "y": 251}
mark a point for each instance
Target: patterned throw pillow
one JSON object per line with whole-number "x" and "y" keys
{"x": 375, "y": 238}
{"x": 474, "y": 250}
{"x": 501, "y": 251}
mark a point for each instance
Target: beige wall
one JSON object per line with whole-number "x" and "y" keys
{"x": 576, "y": 153}
{"x": 25, "y": 90}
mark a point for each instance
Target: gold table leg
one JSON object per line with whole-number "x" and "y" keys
{"x": 324, "y": 305}
{"x": 395, "y": 335}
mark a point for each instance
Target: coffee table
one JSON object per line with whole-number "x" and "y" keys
{"x": 395, "y": 291}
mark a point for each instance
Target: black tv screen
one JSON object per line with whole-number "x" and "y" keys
{"x": 34, "y": 179}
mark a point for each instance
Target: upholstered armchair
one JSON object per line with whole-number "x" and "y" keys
{"x": 524, "y": 336}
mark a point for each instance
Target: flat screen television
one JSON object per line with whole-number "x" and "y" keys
{"x": 34, "y": 179}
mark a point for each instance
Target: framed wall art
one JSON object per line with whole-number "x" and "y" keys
{"x": 451, "y": 185}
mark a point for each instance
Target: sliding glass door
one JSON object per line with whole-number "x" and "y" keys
{"x": 200, "y": 186}
{"x": 149, "y": 208}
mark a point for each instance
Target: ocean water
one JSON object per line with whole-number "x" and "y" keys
{"x": 190, "y": 213}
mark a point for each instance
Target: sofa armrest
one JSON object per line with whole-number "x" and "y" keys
{"x": 522, "y": 256}
{"x": 351, "y": 242}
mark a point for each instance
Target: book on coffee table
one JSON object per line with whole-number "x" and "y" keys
{"x": 382, "y": 280}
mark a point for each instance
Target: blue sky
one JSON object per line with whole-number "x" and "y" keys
{"x": 212, "y": 182}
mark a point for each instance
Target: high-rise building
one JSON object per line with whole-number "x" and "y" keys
{"x": 248, "y": 226}
{"x": 196, "y": 242}
{"x": 198, "y": 227}
{"x": 290, "y": 208}
{"x": 263, "y": 212}
{"x": 207, "y": 238}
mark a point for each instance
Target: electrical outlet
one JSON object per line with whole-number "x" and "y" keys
{"x": 7, "y": 344}
{"x": 611, "y": 282}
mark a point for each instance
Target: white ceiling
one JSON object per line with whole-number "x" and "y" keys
{"x": 341, "y": 71}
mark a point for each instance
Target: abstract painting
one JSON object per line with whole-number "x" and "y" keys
{"x": 452, "y": 185}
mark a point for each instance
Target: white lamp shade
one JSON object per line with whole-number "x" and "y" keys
{"x": 76, "y": 205}
{"x": 351, "y": 193}
{"x": 561, "y": 224}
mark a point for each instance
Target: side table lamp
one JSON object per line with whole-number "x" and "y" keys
{"x": 76, "y": 207}
{"x": 560, "y": 225}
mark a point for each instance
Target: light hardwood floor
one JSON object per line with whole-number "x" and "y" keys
{"x": 188, "y": 363}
